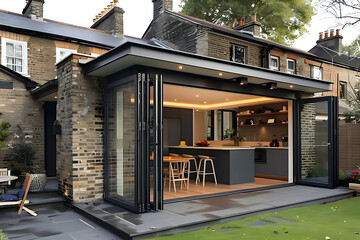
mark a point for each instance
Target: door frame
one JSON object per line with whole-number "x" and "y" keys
{"x": 332, "y": 140}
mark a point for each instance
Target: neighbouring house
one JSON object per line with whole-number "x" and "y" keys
{"x": 268, "y": 111}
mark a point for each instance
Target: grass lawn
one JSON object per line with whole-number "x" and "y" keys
{"x": 338, "y": 220}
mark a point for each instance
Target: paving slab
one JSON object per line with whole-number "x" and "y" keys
{"x": 196, "y": 214}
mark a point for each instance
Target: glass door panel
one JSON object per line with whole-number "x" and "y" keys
{"x": 120, "y": 150}
{"x": 317, "y": 142}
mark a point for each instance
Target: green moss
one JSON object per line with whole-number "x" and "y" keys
{"x": 4, "y": 134}
{"x": 2, "y": 144}
{"x": 338, "y": 220}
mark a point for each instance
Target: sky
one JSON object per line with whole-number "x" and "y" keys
{"x": 139, "y": 13}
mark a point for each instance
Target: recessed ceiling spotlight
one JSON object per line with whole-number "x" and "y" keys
{"x": 220, "y": 74}
{"x": 205, "y": 102}
{"x": 175, "y": 99}
{"x": 55, "y": 97}
{"x": 197, "y": 96}
{"x": 243, "y": 81}
{"x": 197, "y": 110}
{"x": 180, "y": 67}
{"x": 227, "y": 99}
{"x": 271, "y": 86}
{"x": 291, "y": 86}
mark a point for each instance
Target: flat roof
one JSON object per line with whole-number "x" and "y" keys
{"x": 132, "y": 53}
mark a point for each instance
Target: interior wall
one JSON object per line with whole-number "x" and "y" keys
{"x": 183, "y": 118}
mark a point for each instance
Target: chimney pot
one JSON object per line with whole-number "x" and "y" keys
{"x": 337, "y": 32}
{"x": 320, "y": 35}
{"x": 331, "y": 32}
{"x": 253, "y": 17}
{"x": 326, "y": 34}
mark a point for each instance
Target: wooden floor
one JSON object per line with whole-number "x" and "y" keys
{"x": 212, "y": 188}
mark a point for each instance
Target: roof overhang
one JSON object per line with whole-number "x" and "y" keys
{"x": 134, "y": 54}
{"x": 46, "y": 92}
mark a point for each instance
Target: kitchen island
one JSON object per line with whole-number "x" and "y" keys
{"x": 233, "y": 164}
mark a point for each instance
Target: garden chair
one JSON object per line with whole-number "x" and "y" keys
{"x": 20, "y": 198}
{"x": 4, "y": 172}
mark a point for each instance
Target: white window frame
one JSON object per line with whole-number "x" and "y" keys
{"x": 318, "y": 75}
{"x": 278, "y": 63}
{"x": 24, "y": 55}
{"x": 292, "y": 71}
{"x": 343, "y": 85}
{"x": 232, "y": 46}
{"x": 68, "y": 51}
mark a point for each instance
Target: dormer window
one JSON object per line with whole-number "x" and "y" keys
{"x": 14, "y": 55}
{"x": 237, "y": 53}
{"x": 274, "y": 63}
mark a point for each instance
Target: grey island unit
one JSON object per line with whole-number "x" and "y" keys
{"x": 233, "y": 165}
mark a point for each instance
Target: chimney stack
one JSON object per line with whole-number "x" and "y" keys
{"x": 320, "y": 35}
{"x": 249, "y": 24}
{"x": 333, "y": 42}
{"x": 111, "y": 20}
{"x": 161, "y": 5}
{"x": 34, "y": 9}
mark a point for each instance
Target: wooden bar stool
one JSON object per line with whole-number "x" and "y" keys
{"x": 204, "y": 160}
{"x": 191, "y": 158}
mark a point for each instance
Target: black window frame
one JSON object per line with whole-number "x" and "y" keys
{"x": 232, "y": 53}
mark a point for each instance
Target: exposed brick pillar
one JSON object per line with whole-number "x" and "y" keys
{"x": 80, "y": 145}
{"x": 34, "y": 9}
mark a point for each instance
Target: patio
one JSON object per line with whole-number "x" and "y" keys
{"x": 196, "y": 214}
{"x": 106, "y": 221}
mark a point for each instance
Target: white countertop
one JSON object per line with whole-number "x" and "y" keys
{"x": 228, "y": 147}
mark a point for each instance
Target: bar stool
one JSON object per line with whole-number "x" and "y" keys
{"x": 204, "y": 160}
{"x": 191, "y": 158}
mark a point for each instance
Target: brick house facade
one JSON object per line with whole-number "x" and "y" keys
{"x": 80, "y": 98}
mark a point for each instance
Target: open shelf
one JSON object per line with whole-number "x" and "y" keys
{"x": 265, "y": 124}
{"x": 262, "y": 114}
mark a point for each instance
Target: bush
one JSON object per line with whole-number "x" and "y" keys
{"x": 2, "y": 236}
{"x": 23, "y": 153}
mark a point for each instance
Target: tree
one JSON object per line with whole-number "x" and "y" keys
{"x": 347, "y": 12}
{"x": 282, "y": 21}
{"x": 354, "y": 47}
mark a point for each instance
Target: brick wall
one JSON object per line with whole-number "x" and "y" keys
{"x": 80, "y": 146}
{"x": 42, "y": 54}
{"x": 219, "y": 47}
{"x": 308, "y": 154}
{"x": 26, "y": 117}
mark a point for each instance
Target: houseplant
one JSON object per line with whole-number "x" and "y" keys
{"x": 355, "y": 180}
{"x": 57, "y": 127}
{"x": 39, "y": 179}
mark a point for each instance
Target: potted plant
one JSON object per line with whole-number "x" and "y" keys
{"x": 22, "y": 153}
{"x": 57, "y": 127}
{"x": 355, "y": 180}
{"x": 39, "y": 179}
